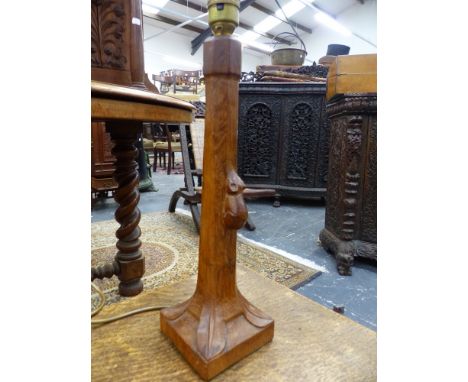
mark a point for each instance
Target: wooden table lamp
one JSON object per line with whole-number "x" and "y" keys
{"x": 217, "y": 326}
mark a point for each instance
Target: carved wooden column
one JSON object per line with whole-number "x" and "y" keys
{"x": 129, "y": 263}
{"x": 136, "y": 42}
{"x": 217, "y": 326}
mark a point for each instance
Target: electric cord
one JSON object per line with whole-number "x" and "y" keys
{"x": 102, "y": 299}
{"x": 102, "y": 302}
{"x": 289, "y": 22}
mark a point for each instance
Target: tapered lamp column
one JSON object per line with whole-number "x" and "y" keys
{"x": 217, "y": 326}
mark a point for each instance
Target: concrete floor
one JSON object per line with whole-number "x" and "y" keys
{"x": 294, "y": 227}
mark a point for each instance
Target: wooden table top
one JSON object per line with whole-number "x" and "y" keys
{"x": 114, "y": 102}
{"x": 311, "y": 343}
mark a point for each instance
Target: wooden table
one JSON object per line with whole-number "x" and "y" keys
{"x": 311, "y": 342}
{"x": 124, "y": 110}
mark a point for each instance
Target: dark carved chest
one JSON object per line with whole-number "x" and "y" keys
{"x": 351, "y": 212}
{"x": 283, "y": 138}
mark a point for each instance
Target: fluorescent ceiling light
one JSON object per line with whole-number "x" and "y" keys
{"x": 332, "y": 23}
{"x": 266, "y": 24}
{"x": 248, "y": 37}
{"x": 270, "y": 22}
{"x": 152, "y": 6}
{"x": 290, "y": 8}
{"x": 258, "y": 45}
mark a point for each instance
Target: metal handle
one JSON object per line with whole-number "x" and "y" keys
{"x": 291, "y": 34}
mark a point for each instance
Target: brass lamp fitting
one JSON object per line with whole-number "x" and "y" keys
{"x": 223, "y": 16}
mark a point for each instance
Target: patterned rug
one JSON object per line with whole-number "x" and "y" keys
{"x": 170, "y": 247}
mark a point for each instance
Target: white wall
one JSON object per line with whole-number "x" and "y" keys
{"x": 361, "y": 19}
{"x": 159, "y": 51}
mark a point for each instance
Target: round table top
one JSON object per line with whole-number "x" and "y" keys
{"x": 115, "y": 102}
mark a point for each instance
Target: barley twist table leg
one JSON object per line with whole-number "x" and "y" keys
{"x": 129, "y": 257}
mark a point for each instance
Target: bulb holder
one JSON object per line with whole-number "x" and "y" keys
{"x": 223, "y": 16}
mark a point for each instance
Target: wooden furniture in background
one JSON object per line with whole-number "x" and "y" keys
{"x": 217, "y": 326}
{"x": 165, "y": 82}
{"x": 121, "y": 100}
{"x": 102, "y": 161}
{"x": 103, "y": 164}
{"x": 191, "y": 193}
{"x": 145, "y": 182}
{"x": 149, "y": 85}
{"x": 166, "y": 143}
{"x": 124, "y": 110}
{"x": 200, "y": 113}
{"x": 117, "y": 42}
{"x": 351, "y": 212}
{"x": 185, "y": 81}
{"x": 283, "y": 138}
{"x": 312, "y": 343}
{"x": 116, "y": 57}
{"x": 178, "y": 81}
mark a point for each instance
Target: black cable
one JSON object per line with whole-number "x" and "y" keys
{"x": 290, "y": 23}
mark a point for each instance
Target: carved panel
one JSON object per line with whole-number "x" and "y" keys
{"x": 352, "y": 177}
{"x": 335, "y": 182}
{"x": 258, "y": 139}
{"x": 109, "y": 34}
{"x": 369, "y": 208}
{"x": 321, "y": 176}
{"x": 300, "y": 136}
{"x": 351, "y": 212}
{"x": 257, "y": 144}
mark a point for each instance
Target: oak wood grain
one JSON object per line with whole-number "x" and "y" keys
{"x": 217, "y": 326}
{"x": 352, "y": 74}
{"x": 109, "y": 109}
{"x": 312, "y": 343}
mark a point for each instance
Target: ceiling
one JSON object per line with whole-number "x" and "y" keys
{"x": 174, "y": 12}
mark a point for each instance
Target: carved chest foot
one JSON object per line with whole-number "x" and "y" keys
{"x": 346, "y": 250}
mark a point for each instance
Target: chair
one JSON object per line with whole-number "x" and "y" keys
{"x": 165, "y": 81}
{"x": 185, "y": 81}
{"x": 165, "y": 141}
{"x": 193, "y": 165}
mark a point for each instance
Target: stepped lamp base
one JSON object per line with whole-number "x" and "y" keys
{"x": 219, "y": 336}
